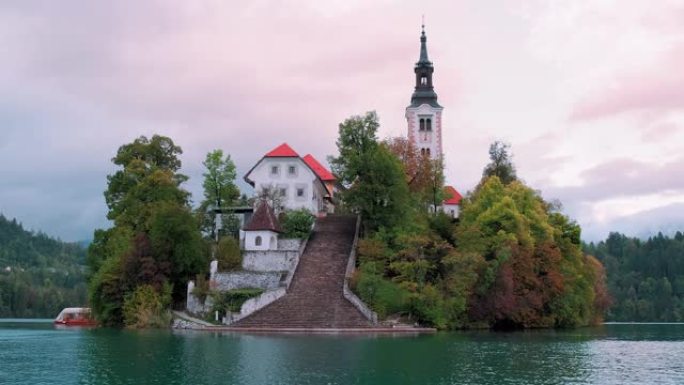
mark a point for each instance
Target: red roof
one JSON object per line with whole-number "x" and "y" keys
{"x": 318, "y": 168}
{"x": 282, "y": 151}
{"x": 452, "y": 196}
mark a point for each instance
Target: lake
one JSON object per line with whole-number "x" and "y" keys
{"x": 34, "y": 352}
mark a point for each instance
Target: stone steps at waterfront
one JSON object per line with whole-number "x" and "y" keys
{"x": 315, "y": 298}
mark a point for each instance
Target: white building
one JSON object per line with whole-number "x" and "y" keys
{"x": 261, "y": 233}
{"x": 424, "y": 114}
{"x": 297, "y": 184}
{"x": 424, "y": 121}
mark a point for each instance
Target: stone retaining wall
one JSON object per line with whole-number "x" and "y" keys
{"x": 254, "y": 304}
{"x": 267, "y": 280}
{"x": 346, "y": 292}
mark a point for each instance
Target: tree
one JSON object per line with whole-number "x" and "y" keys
{"x": 425, "y": 176}
{"x": 155, "y": 240}
{"x": 374, "y": 176}
{"x": 220, "y": 190}
{"x": 500, "y": 164}
{"x": 356, "y": 143}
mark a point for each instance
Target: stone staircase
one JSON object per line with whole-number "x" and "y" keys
{"x": 314, "y": 299}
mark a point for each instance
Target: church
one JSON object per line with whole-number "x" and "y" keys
{"x": 424, "y": 121}
{"x": 303, "y": 182}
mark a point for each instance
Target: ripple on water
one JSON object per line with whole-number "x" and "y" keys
{"x": 614, "y": 354}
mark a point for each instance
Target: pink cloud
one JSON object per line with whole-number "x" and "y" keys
{"x": 660, "y": 89}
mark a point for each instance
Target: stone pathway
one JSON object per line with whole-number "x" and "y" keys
{"x": 315, "y": 299}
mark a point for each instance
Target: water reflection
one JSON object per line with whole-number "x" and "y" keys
{"x": 613, "y": 354}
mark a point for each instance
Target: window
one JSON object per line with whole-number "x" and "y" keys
{"x": 422, "y": 124}
{"x": 292, "y": 170}
{"x": 275, "y": 170}
{"x": 453, "y": 214}
{"x": 423, "y": 80}
{"x": 282, "y": 191}
{"x": 300, "y": 192}
{"x": 427, "y": 151}
{"x": 428, "y": 124}
{"x": 257, "y": 240}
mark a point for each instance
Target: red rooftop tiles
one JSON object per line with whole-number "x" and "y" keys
{"x": 282, "y": 151}
{"x": 318, "y": 168}
{"x": 452, "y": 196}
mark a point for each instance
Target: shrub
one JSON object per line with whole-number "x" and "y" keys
{"x": 228, "y": 254}
{"x": 232, "y": 300}
{"x": 297, "y": 223}
{"x": 383, "y": 296}
{"x": 145, "y": 307}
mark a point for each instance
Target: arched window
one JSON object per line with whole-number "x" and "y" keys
{"x": 428, "y": 124}
{"x": 257, "y": 240}
{"x": 422, "y": 124}
{"x": 423, "y": 80}
{"x": 427, "y": 151}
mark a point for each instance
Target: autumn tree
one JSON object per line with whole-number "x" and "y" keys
{"x": 424, "y": 176}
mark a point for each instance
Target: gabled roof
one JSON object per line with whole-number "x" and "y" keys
{"x": 453, "y": 197}
{"x": 264, "y": 219}
{"x": 323, "y": 173}
{"x": 282, "y": 151}
{"x": 285, "y": 151}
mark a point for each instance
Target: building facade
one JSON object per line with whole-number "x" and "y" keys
{"x": 288, "y": 177}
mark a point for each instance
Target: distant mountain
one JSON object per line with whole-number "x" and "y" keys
{"x": 39, "y": 275}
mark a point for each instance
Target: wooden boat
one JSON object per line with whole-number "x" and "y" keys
{"x": 75, "y": 316}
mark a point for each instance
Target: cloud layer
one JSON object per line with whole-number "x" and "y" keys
{"x": 589, "y": 95}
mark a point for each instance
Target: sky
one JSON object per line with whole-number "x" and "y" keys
{"x": 589, "y": 93}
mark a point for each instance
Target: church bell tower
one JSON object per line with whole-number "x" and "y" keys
{"x": 424, "y": 114}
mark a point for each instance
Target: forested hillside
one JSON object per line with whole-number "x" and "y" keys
{"x": 38, "y": 275}
{"x": 645, "y": 278}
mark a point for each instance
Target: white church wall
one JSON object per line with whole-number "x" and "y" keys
{"x": 293, "y": 177}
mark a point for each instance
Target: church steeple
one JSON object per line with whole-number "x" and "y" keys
{"x": 424, "y": 114}
{"x": 423, "y": 48}
{"x": 424, "y": 92}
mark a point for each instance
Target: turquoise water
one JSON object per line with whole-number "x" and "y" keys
{"x": 34, "y": 352}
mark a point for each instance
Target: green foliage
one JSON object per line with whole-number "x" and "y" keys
{"x": 228, "y": 254}
{"x": 232, "y": 300}
{"x": 155, "y": 240}
{"x": 220, "y": 191}
{"x": 377, "y": 186}
{"x": 509, "y": 262}
{"x": 39, "y": 275}
{"x": 500, "y": 164}
{"x": 148, "y": 174}
{"x": 297, "y": 223}
{"x": 645, "y": 277}
{"x": 176, "y": 241}
{"x": 145, "y": 307}
{"x": 384, "y": 296}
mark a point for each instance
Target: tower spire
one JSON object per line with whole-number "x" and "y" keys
{"x": 423, "y": 46}
{"x": 424, "y": 92}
